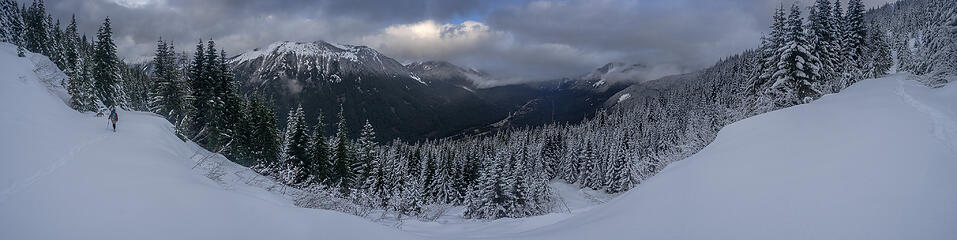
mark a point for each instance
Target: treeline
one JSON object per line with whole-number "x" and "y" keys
{"x": 96, "y": 78}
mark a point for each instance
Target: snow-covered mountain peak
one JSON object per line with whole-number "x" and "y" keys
{"x": 317, "y": 48}
{"x": 318, "y": 60}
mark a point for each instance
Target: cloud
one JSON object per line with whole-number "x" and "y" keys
{"x": 427, "y": 40}
{"x": 515, "y": 40}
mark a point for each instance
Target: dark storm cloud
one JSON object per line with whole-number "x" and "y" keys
{"x": 516, "y": 40}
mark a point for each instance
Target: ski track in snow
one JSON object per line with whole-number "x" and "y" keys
{"x": 944, "y": 126}
{"x": 63, "y": 160}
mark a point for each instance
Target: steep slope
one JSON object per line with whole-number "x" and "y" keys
{"x": 873, "y": 162}
{"x": 367, "y": 84}
{"x": 64, "y": 175}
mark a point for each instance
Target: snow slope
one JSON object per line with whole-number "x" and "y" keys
{"x": 876, "y": 161}
{"x": 65, "y": 175}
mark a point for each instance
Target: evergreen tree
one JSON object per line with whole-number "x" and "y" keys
{"x": 365, "y": 154}
{"x": 854, "y": 41}
{"x": 319, "y": 153}
{"x": 797, "y": 67}
{"x": 770, "y": 46}
{"x": 35, "y": 35}
{"x": 838, "y": 30}
{"x": 105, "y": 66}
{"x": 215, "y": 86}
{"x": 297, "y": 143}
{"x": 822, "y": 39}
{"x": 201, "y": 96}
{"x": 489, "y": 200}
{"x": 81, "y": 90}
{"x": 591, "y": 175}
{"x": 232, "y": 104}
{"x": 342, "y": 159}
{"x": 167, "y": 95}
{"x": 878, "y": 53}
{"x": 444, "y": 189}
{"x": 266, "y": 147}
{"x": 552, "y": 152}
{"x": 621, "y": 173}
{"x": 11, "y": 23}
{"x": 71, "y": 48}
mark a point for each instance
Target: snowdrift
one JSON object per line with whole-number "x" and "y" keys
{"x": 877, "y": 161}
{"x": 66, "y": 175}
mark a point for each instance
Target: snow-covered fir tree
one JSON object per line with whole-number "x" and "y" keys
{"x": 296, "y": 147}
{"x": 798, "y": 68}
{"x": 105, "y": 66}
{"x": 11, "y": 23}
{"x": 342, "y": 158}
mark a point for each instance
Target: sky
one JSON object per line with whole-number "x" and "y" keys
{"x": 513, "y": 40}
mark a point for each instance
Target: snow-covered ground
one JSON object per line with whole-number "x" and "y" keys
{"x": 65, "y": 175}
{"x": 876, "y": 161}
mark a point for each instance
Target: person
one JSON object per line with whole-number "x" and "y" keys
{"x": 114, "y": 117}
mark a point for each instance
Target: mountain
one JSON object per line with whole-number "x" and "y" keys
{"x": 422, "y": 100}
{"x": 367, "y": 84}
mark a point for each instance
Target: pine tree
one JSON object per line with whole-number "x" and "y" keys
{"x": 822, "y": 39}
{"x": 839, "y": 30}
{"x": 488, "y": 199}
{"x": 621, "y": 173}
{"x": 342, "y": 157}
{"x": 587, "y": 161}
{"x": 106, "y": 66}
{"x": 11, "y": 23}
{"x": 878, "y": 52}
{"x": 366, "y": 154}
{"x": 81, "y": 89}
{"x": 797, "y": 66}
{"x": 266, "y": 147}
{"x": 167, "y": 95}
{"x": 552, "y": 152}
{"x": 444, "y": 190}
{"x": 319, "y": 153}
{"x": 232, "y": 104}
{"x": 214, "y": 85}
{"x": 769, "y": 51}
{"x": 297, "y": 140}
{"x": 201, "y": 96}
{"x": 71, "y": 45}
{"x": 854, "y": 41}
{"x": 35, "y": 35}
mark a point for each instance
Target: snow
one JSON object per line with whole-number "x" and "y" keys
{"x": 417, "y": 78}
{"x": 624, "y": 97}
{"x": 65, "y": 175}
{"x": 875, "y": 161}
{"x": 321, "y": 49}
